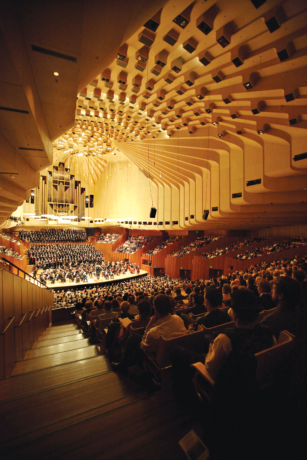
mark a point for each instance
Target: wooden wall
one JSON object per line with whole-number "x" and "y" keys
{"x": 289, "y": 231}
{"x": 24, "y": 314}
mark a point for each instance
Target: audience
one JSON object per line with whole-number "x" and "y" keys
{"x": 197, "y": 244}
{"x": 108, "y": 238}
{"x": 286, "y": 295}
{"x": 53, "y": 235}
{"x": 134, "y": 243}
{"x": 171, "y": 240}
{"x": 276, "y": 247}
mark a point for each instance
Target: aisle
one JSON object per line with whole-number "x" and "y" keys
{"x": 64, "y": 401}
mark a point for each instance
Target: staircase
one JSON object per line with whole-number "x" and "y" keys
{"x": 64, "y": 401}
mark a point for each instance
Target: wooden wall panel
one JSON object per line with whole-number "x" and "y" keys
{"x": 289, "y": 231}
{"x": 8, "y": 296}
{"x": 1, "y": 301}
{"x": 30, "y": 297}
{"x": 9, "y": 350}
{"x": 17, "y": 297}
{"x": 2, "y": 357}
{"x": 24, "y": 296}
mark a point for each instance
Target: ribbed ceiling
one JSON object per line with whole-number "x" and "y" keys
{"x": 210, "y": 100}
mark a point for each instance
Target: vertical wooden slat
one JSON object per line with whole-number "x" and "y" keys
{"x": 30, "y": 315}
{"x": 18, "y": 317}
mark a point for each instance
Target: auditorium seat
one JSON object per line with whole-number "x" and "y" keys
{"x": 270, "y": 366}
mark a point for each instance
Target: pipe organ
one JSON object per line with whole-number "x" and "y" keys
{"x": 61, "y": 194}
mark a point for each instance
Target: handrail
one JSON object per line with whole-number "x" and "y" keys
{"x": 28, "y": 274}
{"x": 11, "y": 321}
{"x": 31, "y": 316}
{"x": 22, "y": 320}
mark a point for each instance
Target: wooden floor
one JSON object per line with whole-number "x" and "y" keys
{"x": 63, "y": 401}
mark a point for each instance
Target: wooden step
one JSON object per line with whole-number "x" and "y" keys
{"x": 59, "y": 348}
{"x": 58, "y": 334}
{"x": 148, "y": 428}
{"x": 44, "y": 362}
{"x": 38, "y": 381}
{"x": 58, "y": 340}
{"x": 36, "y": 412}
{"x": 61, "y": 328}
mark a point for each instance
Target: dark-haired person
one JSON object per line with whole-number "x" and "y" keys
{"x": 214, "y": 316}
{"x": 140, "y": 321}
{"x": 264, "y": 289}
{"x": 178, "y": 295}
{"x": 133, "y": 308}
{"x": 286, "y": 296}
{"x": 299, "y": 275}
{"x": 198, "y": 305}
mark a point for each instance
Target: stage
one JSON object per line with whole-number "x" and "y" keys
{"x": 93, "y": 281}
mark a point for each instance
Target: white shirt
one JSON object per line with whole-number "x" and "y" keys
{"x": 170, "y": 326}
{"x": 218, "y": 351}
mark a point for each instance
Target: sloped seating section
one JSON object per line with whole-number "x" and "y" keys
{"x": 108, "y": 238}
{"x": 134, "y": 243}
{"x": 53, "y": 235}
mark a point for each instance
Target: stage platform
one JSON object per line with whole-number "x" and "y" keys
{"x": 93, "y": 281}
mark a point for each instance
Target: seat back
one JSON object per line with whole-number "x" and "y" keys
{"x": 271, "y": 363}
{"x": 195, "y": 317}
{"x": 139, "y": 330}
{"x": 165, "y": 346}
{"x": 103, "y": 323}
{"x": 265, "y": 313}
{"x": 219, "y": 328}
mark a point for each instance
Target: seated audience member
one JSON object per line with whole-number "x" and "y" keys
{"x": 286, "y": 295}
{"x": 247, "y": 337}
{"x": 88, "y": 307}
{"x": 140, "y": 321}
{"x": 114, "y": 326}
{"x": 199, "y": 306}
{"x": 163, "y": 324}
{"x": 226, "y": 292}
{"x": 115, "y": 305}
{"x": 108, "y": 313}
{"x": 265, "y": 299}
{"x": 97, "y": 311}
{"x": 133, "y": 310}
{"x": 299, "y": 275}
{"x": 215, "y": 316}
{"x": 124, "y": 312}
{"x": 251, "y": 285}
{"x": 178, "y": 295}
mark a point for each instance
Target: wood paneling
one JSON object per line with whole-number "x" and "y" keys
{"x": 24, "y": 313}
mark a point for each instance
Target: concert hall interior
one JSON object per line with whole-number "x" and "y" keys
{"x": 146, "y": 148}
